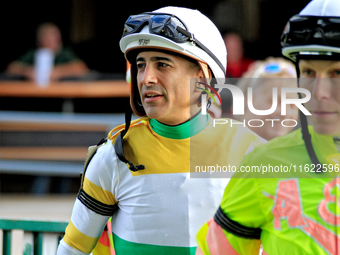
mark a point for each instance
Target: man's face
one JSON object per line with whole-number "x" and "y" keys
{"x": 164, "y": 86}
{"x": 323, "y": 81}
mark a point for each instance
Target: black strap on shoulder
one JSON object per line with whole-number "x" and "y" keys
{"x": 235, "y": 228}
{"x": 119, "y": 143}
{"x": 87, "y": 200}
{"x": 95, "y": 205}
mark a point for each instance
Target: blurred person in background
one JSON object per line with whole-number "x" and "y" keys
{"x": 262, "y": 77}
{"x": 65, "y": 62}
{"x": 238, "y": 64}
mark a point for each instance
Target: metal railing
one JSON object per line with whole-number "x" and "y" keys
{"x": 30, "y": 237}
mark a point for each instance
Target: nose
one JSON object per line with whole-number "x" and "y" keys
{"x": 148, "y": 76}
{"x": 322, "y": 88}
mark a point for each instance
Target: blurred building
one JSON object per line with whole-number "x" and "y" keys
{"x": 93, "y": 28}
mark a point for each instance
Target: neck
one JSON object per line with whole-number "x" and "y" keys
{"x": 183, "y": 130}
{"x": 182, "y": 119}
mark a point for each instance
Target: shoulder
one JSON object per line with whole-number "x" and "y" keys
{"x": 290, "y": 141}
{"x": 65, "y": 55}
{"x": 104, "y": 169}
{"x": 104, "y": 158}
{"x": 27, "y": 57}
{"x": 227, "y": 125}
{"x": 136, "y": 128}
{"x": 233, "y": 128}
{"x": 288, "y": 148}
{"x": 67, "y": 51}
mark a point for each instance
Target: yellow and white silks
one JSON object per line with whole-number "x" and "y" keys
{"x": 160, "y": 208}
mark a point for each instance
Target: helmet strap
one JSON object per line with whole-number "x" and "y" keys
{"x": 119, "y": 142}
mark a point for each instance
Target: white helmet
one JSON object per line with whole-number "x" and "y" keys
{"x": 314, "y": 32}
{"x": 180, "y": 30}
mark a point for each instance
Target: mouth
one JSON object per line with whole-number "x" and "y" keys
{"x": 151, "y": 96}
{"x": 323, "y": 114}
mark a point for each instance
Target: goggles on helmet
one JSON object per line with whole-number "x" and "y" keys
{"x": 165, "y": 25}
{"x": 273, "y": 68}
{"x": 302, "y": 30}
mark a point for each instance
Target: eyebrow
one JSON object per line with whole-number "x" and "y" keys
{"x": 154, "y": 59}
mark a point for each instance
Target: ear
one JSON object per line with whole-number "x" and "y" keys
{"x": 205, "y": 71}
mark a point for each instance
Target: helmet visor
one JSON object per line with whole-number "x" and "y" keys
{"x": 307, "y": 30}
{"x": 160, "y": 24}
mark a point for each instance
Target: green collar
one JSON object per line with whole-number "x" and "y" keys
{"x": 181, "y": 131}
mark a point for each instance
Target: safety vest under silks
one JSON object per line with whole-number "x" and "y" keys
{"x": 162, "y": 207}
{"x": 277, "y": 200}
